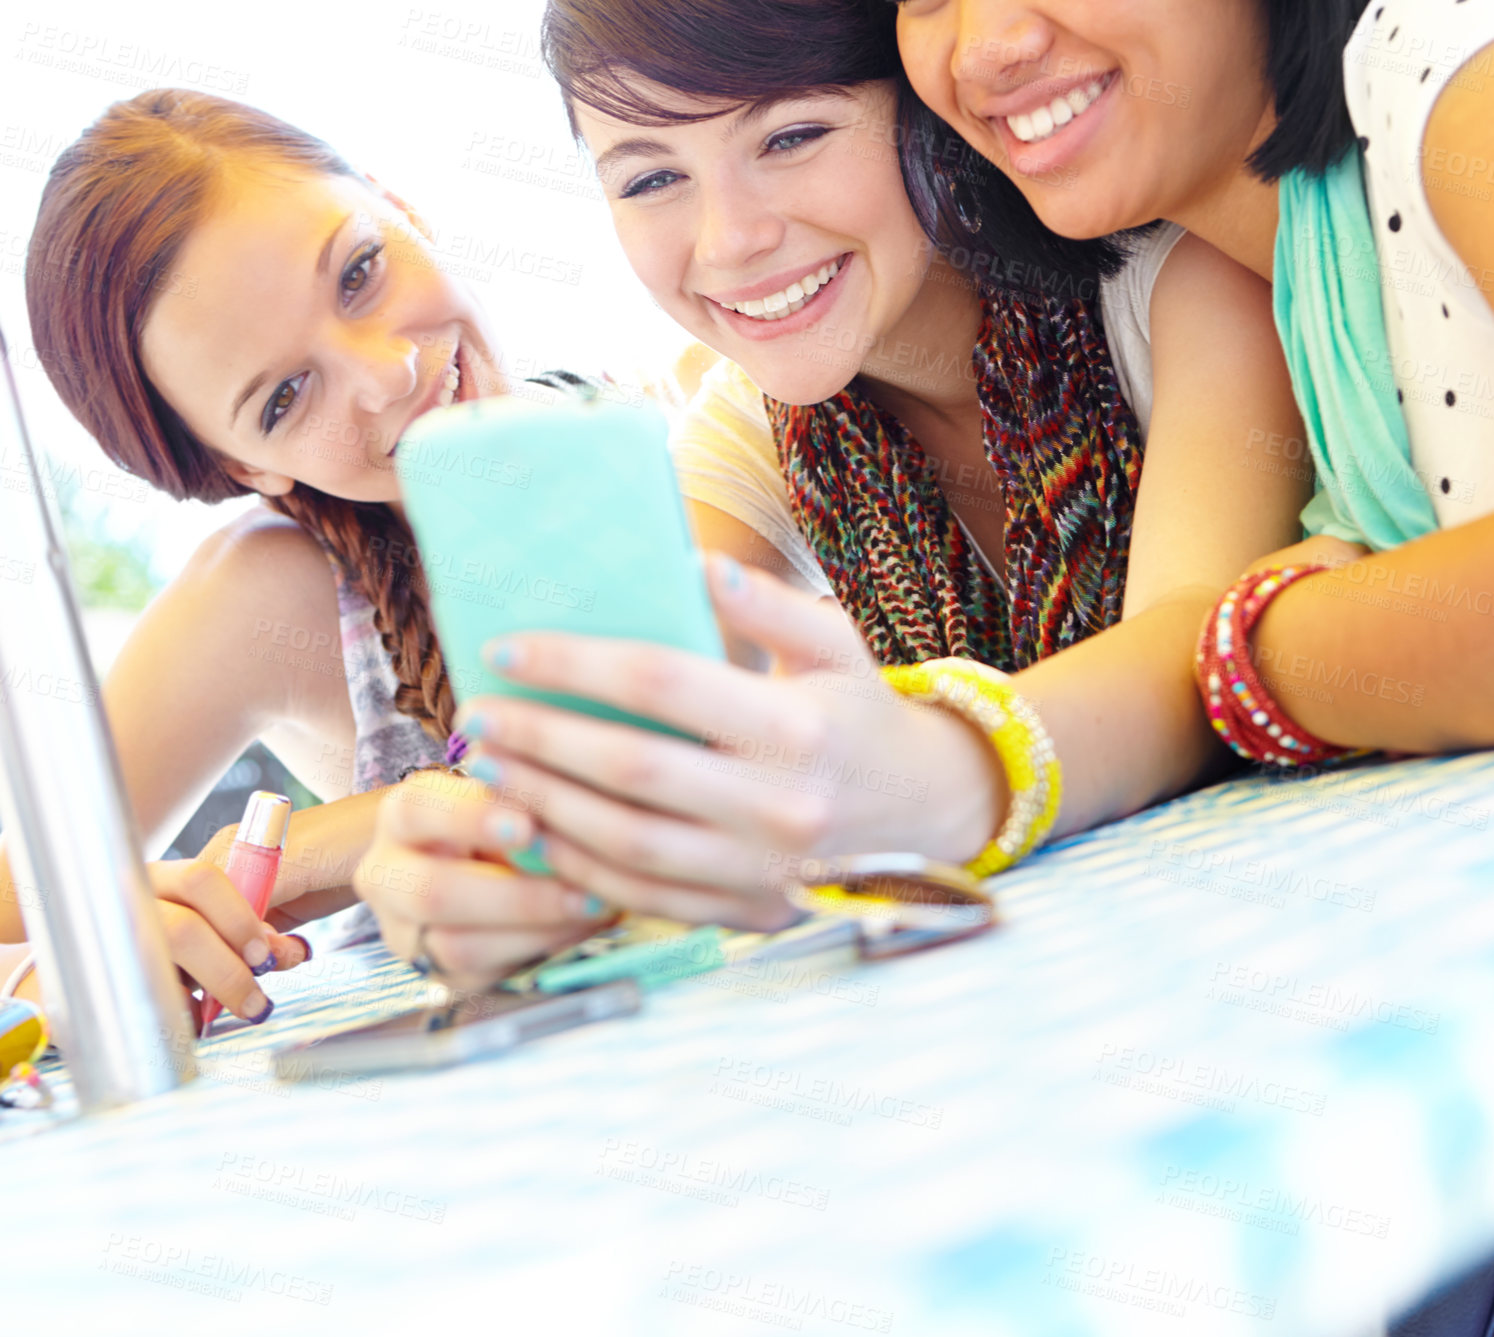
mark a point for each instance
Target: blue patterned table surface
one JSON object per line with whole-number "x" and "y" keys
{"x": 1225, "y": 1069}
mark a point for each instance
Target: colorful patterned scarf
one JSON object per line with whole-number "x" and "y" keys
{"x": 1067, "y": 451}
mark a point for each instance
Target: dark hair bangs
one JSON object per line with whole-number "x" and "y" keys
{"x": 616, "y": 91}
{"x": 731, "y": 53}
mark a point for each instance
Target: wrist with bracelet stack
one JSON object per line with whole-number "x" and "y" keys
{"x": 987, "y": 699}
{"x": 1241, "y": 710}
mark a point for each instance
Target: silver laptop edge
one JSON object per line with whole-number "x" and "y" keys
{"x": 112, "y": 995}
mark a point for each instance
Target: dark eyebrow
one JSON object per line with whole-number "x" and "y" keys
{"x": 630, "y": 148}
{"x": 765, "y": 107}
{"x": 248, "y": 391}
{"x": 746, "y": 116}
{"x": 321, "y": 268}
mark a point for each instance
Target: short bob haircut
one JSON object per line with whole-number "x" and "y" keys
{"x": 1305, "y": 41}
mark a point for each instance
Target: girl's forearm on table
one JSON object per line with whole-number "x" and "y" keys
{"x": 1125, "y": 716}
{"x": 1395, "y": 651}
{"x": 323, "y": 846}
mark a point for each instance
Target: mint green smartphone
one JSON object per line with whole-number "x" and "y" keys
{"x": 565, "y": 517}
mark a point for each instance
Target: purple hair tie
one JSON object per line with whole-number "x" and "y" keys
{"x": 456, "y": 748}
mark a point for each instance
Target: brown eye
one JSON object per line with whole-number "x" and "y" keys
{"x": 359, "y": 272}
{"x": 281, "y": 402}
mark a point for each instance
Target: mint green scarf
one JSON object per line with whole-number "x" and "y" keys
{"x": 1332, "y": 326}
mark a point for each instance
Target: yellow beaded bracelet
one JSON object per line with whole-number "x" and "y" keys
{"x": 989, "y": 701}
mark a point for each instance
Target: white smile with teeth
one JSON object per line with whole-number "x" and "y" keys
{"x": 793, "y": 298}
{"x": 451, "y": 380}
{"x": 1033, "y": 126}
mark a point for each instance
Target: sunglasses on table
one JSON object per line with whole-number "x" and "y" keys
{"x": 902, "y": 902}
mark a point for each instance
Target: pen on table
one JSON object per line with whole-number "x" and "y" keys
{"x": 630, "y": 930}
{"x": 253, "y": 862}
{"x": 695, "y": 953}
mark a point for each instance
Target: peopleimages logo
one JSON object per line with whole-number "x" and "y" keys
{"x": 322, "y": 1190}
{"x": 1145, "y": 1287}
{"x": 1319, "y": 1001}
{"x": 1211, "y": 1085}
{"x": 705, "y": 1178}
{"x": 1262, "y": 1205}
{"x": 816, "y": 1097}
{"x": 778, "y": 1304}
{"x": 100, "y": 55}
{"x": 814, "y": 765}
{"x": 1260, "y": 874}
{"x": 182, "y": 1268}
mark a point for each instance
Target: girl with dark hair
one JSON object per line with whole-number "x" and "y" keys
{"x": 953, "y": 464}
{"x": 230, "y": 309}
{"x": 1341, "y": 151}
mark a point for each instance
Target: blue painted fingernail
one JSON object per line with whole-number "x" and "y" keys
{"x": 263, "y": 1016}
{"x": 471, "y": 728}
{"x": 539, "y": 848}
{"x": 595, "y": 906}
{"x": 265, "y": 966}
{"x": 501, "y": 655}
{"x": 503, "y": 829}
{"x": 485, "y": 769}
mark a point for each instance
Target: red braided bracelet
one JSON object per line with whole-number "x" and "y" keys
{"x": 1240, "y": 709}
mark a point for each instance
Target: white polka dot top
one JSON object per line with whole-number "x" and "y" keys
{"x": 1440, "y": 327}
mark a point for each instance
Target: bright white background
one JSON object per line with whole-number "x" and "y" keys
{"x": 450, "y": 107}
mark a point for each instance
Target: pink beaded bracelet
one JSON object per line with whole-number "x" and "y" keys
{"x": 1242, "y": 712}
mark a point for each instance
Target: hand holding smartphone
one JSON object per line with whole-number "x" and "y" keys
{"x": 551, "y": 518}
{"x": 562, "y": 517}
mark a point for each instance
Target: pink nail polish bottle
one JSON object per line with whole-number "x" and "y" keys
{"x": 254, "y": 856}
{"x": 253, "y": 862}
